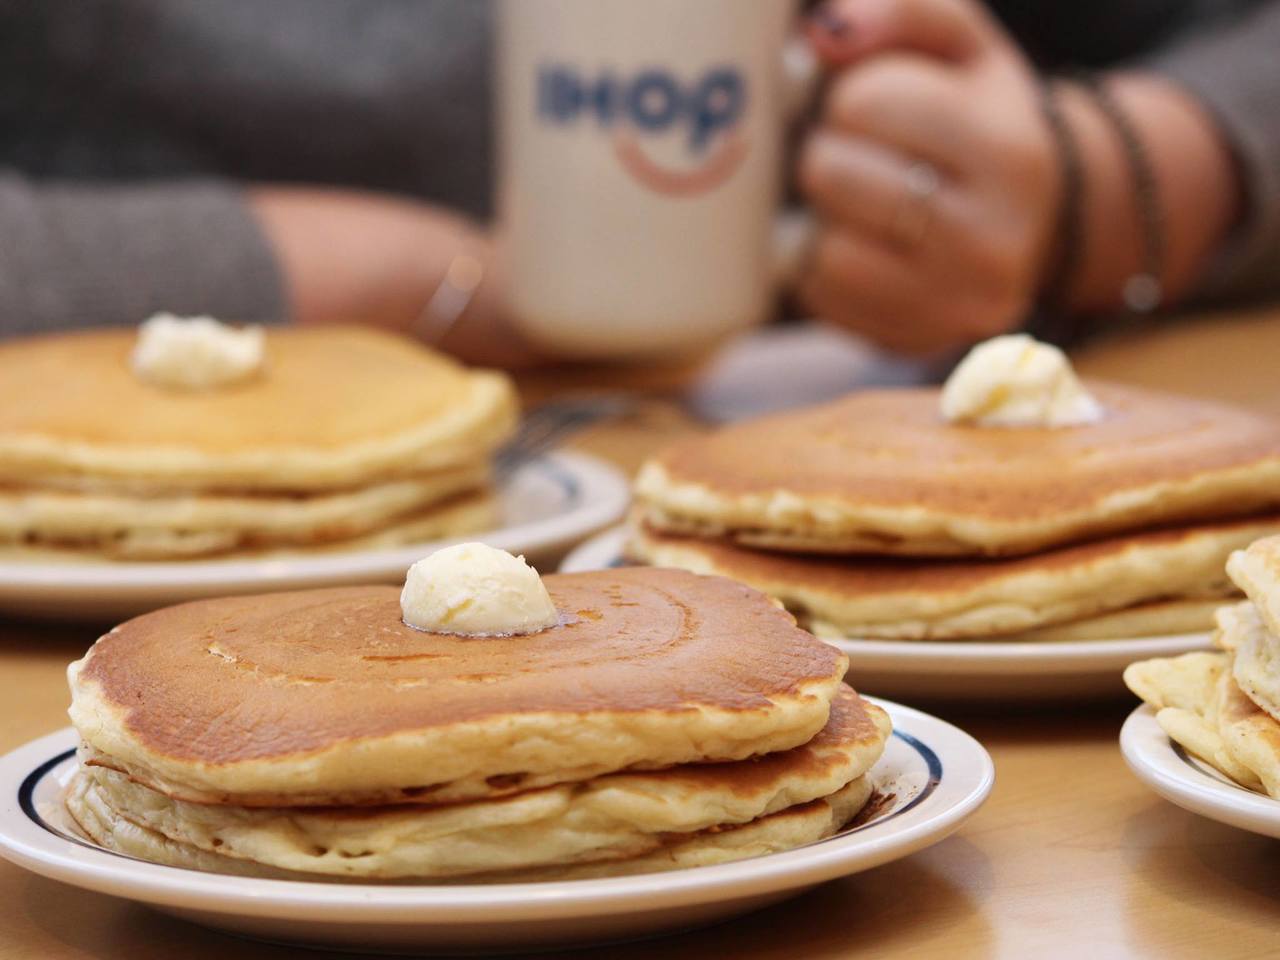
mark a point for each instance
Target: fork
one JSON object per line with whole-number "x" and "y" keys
{"x": 548, "y": 426}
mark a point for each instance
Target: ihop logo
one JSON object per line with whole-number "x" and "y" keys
{"x": 678, "y": 138}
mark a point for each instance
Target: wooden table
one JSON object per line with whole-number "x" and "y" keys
{"x": 1071, "y": 856}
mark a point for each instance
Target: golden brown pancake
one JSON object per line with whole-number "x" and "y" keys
{"x": 880, "y": 472}
{"x": 607, "y": 818}
{"x": 325, "y": 696}
{"x": 334, "y": 407}
{"x": 895, "y": 598}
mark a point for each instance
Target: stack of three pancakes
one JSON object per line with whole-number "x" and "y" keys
{"x": 345, "y": 438}
{"x": 1225, "y": 707}
{"x": 669, "y": 720}
{"x": 873, "y": 517}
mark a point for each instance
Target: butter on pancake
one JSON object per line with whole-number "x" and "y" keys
{"x": 897, "y": 598}
{"x": 1016, "y": 381}
{"x": 338, "y": 407}
{"x": 325, "y": 696}
{"x": 616, "y": 816}
{"x": 881, "y": 472}
{"x": 473, "y": 589}
{"x": 196, "y": 353}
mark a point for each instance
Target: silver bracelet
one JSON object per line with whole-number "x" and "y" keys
{"x": 450, "y": 300}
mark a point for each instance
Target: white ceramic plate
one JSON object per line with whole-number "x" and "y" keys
{"x": 547, "y": 505}
{"x": 933, "y": 776}
{"x": 1191, "y": 783}
{"x": 965, "y": 670}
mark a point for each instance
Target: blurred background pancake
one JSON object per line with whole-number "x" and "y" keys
{"x": 345, "y": 434}
{"x": 880, "y": 472}
{"x": 1162, "y": 579}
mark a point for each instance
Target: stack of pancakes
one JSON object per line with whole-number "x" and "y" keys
{"x": 873, "y": 517}
{"x": 669, "y": 720}
{"x": 347, "y": 437}
{"x": 1225, "y": 707}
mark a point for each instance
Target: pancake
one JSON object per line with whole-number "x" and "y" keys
{"x": 1159, "y": 618}
{"x": 466, "y": 514}
{"x": 1256, "y": 571}
{"x": 880, "y": 472}
{"x": 785, "y": 830}
{"x": 326, "y": 697}
{"x": 892, "y": 598}
{"x": 335, "y": 407}
{"x": 1200, "y": 706}
{"x": 192, "y": 525}
{"x": 610, "y": 817}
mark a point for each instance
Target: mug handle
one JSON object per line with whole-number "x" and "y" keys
{"x": 795, "y": 230}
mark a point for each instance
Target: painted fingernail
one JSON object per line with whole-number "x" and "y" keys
{"x": 828, "y": 19}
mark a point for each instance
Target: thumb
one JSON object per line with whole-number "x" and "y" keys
{"x": 846, "y": 31}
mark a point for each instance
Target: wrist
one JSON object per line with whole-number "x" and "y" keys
{"x": 1195, "y": 186}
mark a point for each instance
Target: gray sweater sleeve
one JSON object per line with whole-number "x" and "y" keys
{"x": 1233, "y": 68}
{"x": 78, "y": 255}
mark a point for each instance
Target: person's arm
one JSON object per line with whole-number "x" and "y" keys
{"x": 354, "y": 257}
{"x": 78, "y": 255}
{"x": 935, "y": 90}
{"x": 1198, "y": 189}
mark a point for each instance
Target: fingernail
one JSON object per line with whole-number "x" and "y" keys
{"x": 831, "y": 22}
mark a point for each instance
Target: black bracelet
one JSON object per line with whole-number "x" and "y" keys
{"x": 1069, "y": 231}
{"x": 1144, "y": 291}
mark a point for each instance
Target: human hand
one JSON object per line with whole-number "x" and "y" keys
{"x": 933, "y": 172}
{"x": 354, "y": 257}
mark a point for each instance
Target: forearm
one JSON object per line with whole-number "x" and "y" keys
{"x": 351, "y": 256}
{"x": 1196, "y": 182}
{"x": 74, "y": 255}
{"x": 357, "y": 257}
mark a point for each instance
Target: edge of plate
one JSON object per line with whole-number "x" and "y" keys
{"x": 957, "y": 796}
{"x": 1154, "y": 759}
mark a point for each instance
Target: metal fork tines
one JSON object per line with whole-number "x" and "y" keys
{"x": 546, "y": 427}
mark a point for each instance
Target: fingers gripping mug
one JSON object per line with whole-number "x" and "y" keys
{"x": 640, "y": 151}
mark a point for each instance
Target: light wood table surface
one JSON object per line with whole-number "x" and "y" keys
{"x": 1071, "y": 856}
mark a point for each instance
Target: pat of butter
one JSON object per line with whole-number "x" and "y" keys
{"x": 476, "y": 590}
{"x": 1016, "y": 381}
{"x": 196, "y": 353}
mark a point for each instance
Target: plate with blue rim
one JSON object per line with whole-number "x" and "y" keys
{"x": 931, "y": 778}
{"x": 1187, "y": 781}
{"x": 977, "y": 671}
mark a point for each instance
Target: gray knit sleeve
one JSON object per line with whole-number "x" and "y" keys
{"x": 80, "y": 255}
{"x": 1234, "y": 70}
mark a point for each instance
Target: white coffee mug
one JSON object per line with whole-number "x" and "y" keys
{"x": 640, "y": 149}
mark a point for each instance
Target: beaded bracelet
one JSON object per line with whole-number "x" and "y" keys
{"x": 1142, "y": 292}
{"x": 1069, "y": 231}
